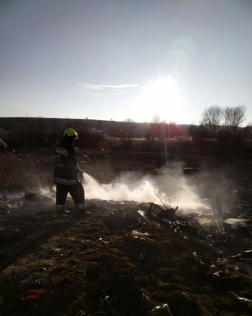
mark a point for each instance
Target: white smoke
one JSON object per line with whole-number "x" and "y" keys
{"x": 50, "y": 193}
{"x": 169, "y": 186}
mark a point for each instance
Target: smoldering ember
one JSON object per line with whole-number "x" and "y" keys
{"x": 167, "y": 231}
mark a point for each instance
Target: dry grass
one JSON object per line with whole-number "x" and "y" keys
{"x": 25, "y": 171}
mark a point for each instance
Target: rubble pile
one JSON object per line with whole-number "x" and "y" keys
{"x": 123, "y": 258}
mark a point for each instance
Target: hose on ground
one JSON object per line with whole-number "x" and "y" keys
{"x": 7, "y": 261}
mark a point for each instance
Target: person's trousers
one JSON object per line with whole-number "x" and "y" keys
{"x": 76, "y": 191}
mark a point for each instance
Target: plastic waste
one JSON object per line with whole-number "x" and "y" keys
{"x": 146, "y": 297}
{"x": 142, "y": 213}
{"x": 136, "y": 233}
{"x": 164, "y": 307}
{"x": 244, "y": 300}
{"x": 141, "y": 257}
{"x": 243, "y": 256}
{"x": 12, "y": 206}
{"x": 32, "y": 295}
{"x": 26, "y": 282}
{"x": 41, "y": 269}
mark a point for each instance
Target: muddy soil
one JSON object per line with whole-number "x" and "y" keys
{"x": 116, "y": 260}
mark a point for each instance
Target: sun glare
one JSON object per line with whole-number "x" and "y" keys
{"x": 163, "y": 97}
{"x": 165, "y": 90}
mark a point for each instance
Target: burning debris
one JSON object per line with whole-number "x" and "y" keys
{"x": 120, "y": 251}
{"x": 157, "y": 213}
{"x": 128, "y": 256}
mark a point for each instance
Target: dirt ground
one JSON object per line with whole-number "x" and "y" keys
{"x": 119, "y": 261}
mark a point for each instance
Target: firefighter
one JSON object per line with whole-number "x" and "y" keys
{"x": 66, "y": 175}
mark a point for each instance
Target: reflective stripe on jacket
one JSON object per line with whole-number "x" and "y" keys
{"x": 66, "y": 167}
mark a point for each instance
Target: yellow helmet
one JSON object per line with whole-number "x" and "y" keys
{"x": 69, "y": 132}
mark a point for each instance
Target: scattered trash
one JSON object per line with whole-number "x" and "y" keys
{"x": 136, "y": 233}
{"x": 81, "y": 313}
{"x": 26, "y": 283}
{"x": 32, "y": 295}
{"x": 141, "y": 257}
{"x": 38, "y": 281}
{"x": 146, "y": 297}
{"x": 12, "y": 206}
{"x": 110, "y": 309}
{"x": 106, "y": 261}
{"x": 105, "y": 242}
{"x": 162, "y": 214}
{"x": 41, "y": 269}
{"x": 164, "y": 307}
{"x": 222, "y": 261}
{"x": 142, "y": 213}
{"x": 244, "y": 256}
{"x": 244, "y": 300}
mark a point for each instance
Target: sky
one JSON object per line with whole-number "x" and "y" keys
{"x": 118, "y": 59}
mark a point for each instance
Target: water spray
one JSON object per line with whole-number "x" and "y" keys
{"x": 92, "y": 181}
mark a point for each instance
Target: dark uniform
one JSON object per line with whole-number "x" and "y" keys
{"x": 66, "y": 177}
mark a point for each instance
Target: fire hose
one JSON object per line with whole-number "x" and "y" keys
{"x": 17, "y": 252}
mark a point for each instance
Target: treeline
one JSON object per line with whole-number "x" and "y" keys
{"x": 219, "y": 129}
{"x": 34, "y": 134}
{"x": 223, "y": 126}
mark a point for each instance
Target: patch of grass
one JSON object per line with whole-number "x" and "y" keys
{"x": 25, "y": 171}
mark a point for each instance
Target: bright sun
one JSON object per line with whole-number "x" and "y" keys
{"x": 163, "y": 98}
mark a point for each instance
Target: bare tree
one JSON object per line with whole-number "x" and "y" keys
{"x": 211, "y": 118}
{"x": 155, "y": 126}
{"x": 233, "y": 117}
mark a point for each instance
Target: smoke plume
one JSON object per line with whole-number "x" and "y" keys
{"x": 169, "y": 186}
